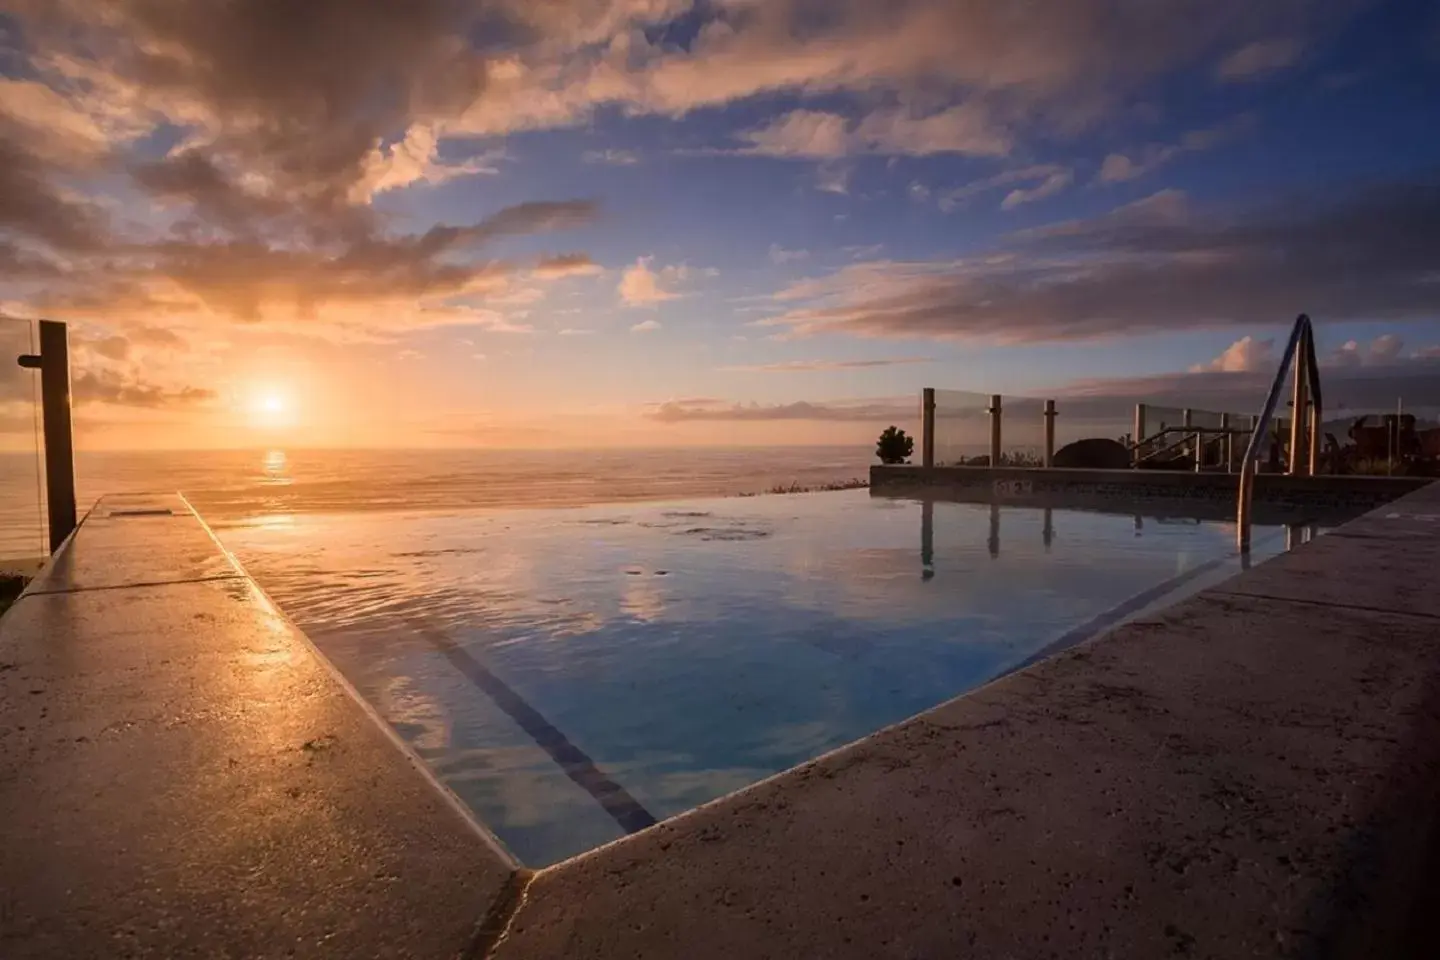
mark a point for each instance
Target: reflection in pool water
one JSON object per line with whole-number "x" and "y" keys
{"x": 576, "y": 674}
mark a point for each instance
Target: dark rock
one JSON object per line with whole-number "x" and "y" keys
{"x": 1096, "y": 453}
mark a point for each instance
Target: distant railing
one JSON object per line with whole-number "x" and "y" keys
{"x": 965, "y": 428}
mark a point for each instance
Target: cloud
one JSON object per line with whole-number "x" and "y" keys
{"x": 820, "y": 135}
{"x": 300, "y": 96}
{"x": 833, "y": 179}
{"x": 807, "y": 366}
{"x": 115, "y": 368}
{"x": 243, "y": 275}
{"x": 346, "y": 97}
{"x": 1243, "y": 356}
{"x": 1366, "y": 254}
{"x": 1061, "y": 63}
{"x": 130, "y": 390}
{"x": 1120, "y": 167}
{"x": 575, "y": 332}
{"x": 612, "y": 156}
{"x": 1384, "y": 349}
{"x": 779, "y": 255}
{"x": 281, "y": 122}
{"x": 1416, "y": 381}
{"x": 414, "y": 159}
{"x": 801, "y": 134}
{"x": 862, "y": 411}
{"x": 1048, "y": 187}
{"x": 567, "y": 265}
{"x": 33, "y": 208}
{"x": 641, "y": 286}
{"x": 645, "y": 326}
{"x": 1254, "y": 60}
{"x": 953, "y": 199}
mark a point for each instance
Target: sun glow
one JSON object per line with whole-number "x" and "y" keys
{"x": 270, "y": 408}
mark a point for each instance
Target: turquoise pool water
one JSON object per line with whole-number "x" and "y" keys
{"x": 576, "y": 674}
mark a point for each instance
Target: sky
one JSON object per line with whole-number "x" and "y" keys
{"x": 537, "y": 223}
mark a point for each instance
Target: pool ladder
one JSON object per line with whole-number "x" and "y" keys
{"x": 1304, "y": 421}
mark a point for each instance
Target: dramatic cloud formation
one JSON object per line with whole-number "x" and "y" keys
{"x": 211, "y": 185}
{"x": 286, "y": 122}
{"x": 1155, "y": 265}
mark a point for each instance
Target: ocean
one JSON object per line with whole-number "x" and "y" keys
{"x": 232, "y": 487}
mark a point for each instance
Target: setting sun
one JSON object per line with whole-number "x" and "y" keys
{"x": 270, "y": 409}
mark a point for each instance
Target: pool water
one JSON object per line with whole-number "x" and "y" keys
{"x": 577, "y": 674}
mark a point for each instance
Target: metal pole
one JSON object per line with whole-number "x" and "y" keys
{"x": 54, "y": 365}
{"x": 1139, "y": 431}
{"x": 995, "y": 413}
{"x": 1298, "y": 400}
{"x": 1242, "y": 513}
{"x": 1228, "y": 443}
{"x": 1049, "y": 433}
{"x": 927, "y": 539}
{"x": 1185, "y": 435}
{"x": 927, "y": 427}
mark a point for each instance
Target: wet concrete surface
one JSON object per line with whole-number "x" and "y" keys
{"x": 182, "y": 774}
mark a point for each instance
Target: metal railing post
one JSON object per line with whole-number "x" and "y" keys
{"x": 1139, "y": 431}
{"x": 1316, "y": 404}
{"x": 53, "y": 363}
{"x": 927, "y": 427}
{"x": 1049, "y": 434}
{"x": 995, "y": 414}
{"x": 1227, "y": 444}
{"x": 1299, "y": 400}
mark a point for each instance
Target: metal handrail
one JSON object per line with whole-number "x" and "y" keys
{"x": 1307, "y": 394}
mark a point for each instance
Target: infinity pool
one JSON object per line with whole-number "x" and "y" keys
{"x": 575, "y": 675}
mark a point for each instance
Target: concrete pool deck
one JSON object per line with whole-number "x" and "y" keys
{"x": 182, "y": 774}
{"x": 1253, "y": 772}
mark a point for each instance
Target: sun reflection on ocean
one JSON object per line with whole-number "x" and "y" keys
{"x": 274, "y": 468}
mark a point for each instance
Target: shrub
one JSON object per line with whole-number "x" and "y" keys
{"x": 894, "y": 446}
